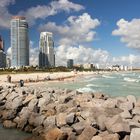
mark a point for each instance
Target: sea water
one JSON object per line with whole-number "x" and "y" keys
{"x": 12, "y": 134}
{"x": 113, "y": 84}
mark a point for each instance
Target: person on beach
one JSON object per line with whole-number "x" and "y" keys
{"x": 8, "y": 78}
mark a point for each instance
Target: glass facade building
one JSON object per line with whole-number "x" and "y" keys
{"x": 46, "y": 50}
{"x": 19, "y": 42}
{"x": 70, "y": 63}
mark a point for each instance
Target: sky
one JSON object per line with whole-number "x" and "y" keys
{"x": 104, "y": 32}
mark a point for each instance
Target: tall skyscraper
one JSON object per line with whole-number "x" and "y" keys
{"x": 46, "y": 50}
{"x": 70, "y": 63}
{"x": 19, "y": 41}
{"x": 2, "y": 54}
{"x": 1, "y": 44}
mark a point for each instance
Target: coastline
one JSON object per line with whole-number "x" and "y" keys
{"x": 54, "y": 113}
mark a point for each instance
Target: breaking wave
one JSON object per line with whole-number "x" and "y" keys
{"x": 131, "y": 79}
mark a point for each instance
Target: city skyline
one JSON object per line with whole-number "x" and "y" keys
{"x": 110, "y": 34}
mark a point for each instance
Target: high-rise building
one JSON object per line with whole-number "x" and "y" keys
{"x": 46, "y": 50}
{"x": 2, "y": 54}
{"x": 70, "y": 63}
{"x": 1, "y": 44}
{"x": 19, "y": 42}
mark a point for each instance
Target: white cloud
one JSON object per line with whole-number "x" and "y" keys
{"x": 129, "y": 32}
{"x": 129, "y": 60}
{"x": 75, "y": 30}
{"x": 43, "y": 11}
{"x": 38, "y": 12}
{"x": 80, "y": 55}
{"x": 33, "y": 54}
{"x": 5, "y": 16}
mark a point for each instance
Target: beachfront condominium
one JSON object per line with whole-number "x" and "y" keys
{"x": 46, "y": 50}
{"x": 2, "y": 54}
{"x": 19, "y": 42}
{"x": 70, "y": 63}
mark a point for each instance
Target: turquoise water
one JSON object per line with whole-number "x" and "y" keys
{"x": 114, "y": 84}
{"x": 12, "y": 134}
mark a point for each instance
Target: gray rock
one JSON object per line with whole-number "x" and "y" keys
{"x": 49, "y": 121}
{"x": 3, "y": 95}
{"x": 127, "y": 137}
{"x": 126, "y": 106}
{"x": 61, "y": 119}
{"x": 110, "y": 103}
{"x": 115, "y": 125}
{"x": 9, "y": 124}
{"x": 32, "y": 104}
{"x": 15, "y": 103}
{"x": 126, "y": 114}
{"x": 131, "y": 99}
{"x": 87, "y": 133}
{"x": 79, "y": 127}
{"x": 136, "y": 111}
{"x": 97, "y": 138}
{"x": 111, "y": 137}
{"x": 135, "y": 134}
{"x": 100, "y": 121}
{"x": 70, "y": 118}
{"x": 36, "y": 119}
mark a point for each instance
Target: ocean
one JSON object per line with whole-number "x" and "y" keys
{"x": 113, "y": 84}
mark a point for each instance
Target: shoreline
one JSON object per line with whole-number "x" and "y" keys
{"x": 54, "y": 113}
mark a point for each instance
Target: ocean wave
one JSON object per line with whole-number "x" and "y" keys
{"x": 131, "y": 79}
{"x": 107, "y": 76}
{"x": 85, "y": 89}
{"x": 91, "y": 79}
{"x": 92, "y": 85}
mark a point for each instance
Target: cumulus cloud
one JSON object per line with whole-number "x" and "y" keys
{"x": 80, "y": 55}
{"x": 129, "y": 60}
{"x": 33, "y": 54}
{"x": 37, "y": 12}
{"x": 5, "y": 15}
{"x": 77, "y": 29}
{"x": 43, "y": 11}
{"x": 129, "y": 32}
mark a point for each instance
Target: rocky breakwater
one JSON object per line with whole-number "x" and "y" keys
{"x": 61, "y": 114}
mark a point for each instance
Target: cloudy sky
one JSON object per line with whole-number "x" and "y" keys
{"x": 88, "y": 31}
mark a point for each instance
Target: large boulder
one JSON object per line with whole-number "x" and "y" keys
{"x": 100, "y": 121}
{"x": 111, "y": 137}
{"x": 131, "y": 99}
{"x": 49, "y": 122}
{"x": 70, "y": 118}
{"x": 135, "y": 134}
{"x": 116, "y": 125}
{"x": 136, "y": 111}
{"x": 53, "y": 134}
{"x": 9, "y": 124}
{"x": 87, "y": 133}
{"x": 61, "y": 119}
{"x": 36, "y": 119}
{"x": 79, "y": 127}
{"x": 97, "y": 138}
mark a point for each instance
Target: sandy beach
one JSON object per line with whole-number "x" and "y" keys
{"x": 32, "y": 78}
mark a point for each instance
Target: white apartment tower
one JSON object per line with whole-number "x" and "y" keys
{"x": 46, "y": 50}
{"x": 19, "y": 41}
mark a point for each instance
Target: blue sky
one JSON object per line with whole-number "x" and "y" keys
{"x": 88, "y": 31}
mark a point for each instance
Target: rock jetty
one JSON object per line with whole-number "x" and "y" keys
{"x": 62, "y": 114}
